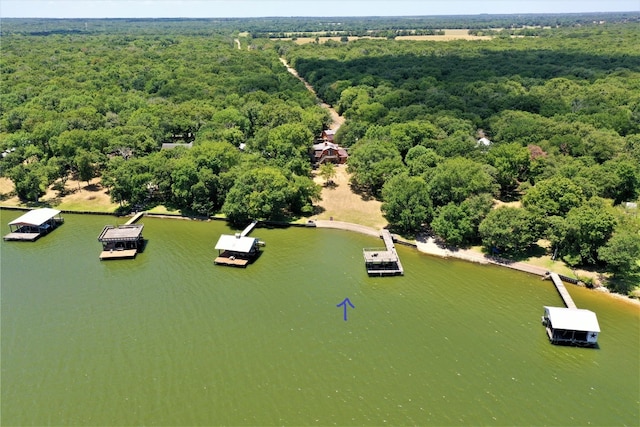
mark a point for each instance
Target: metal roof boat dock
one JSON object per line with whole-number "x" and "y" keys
{"x": 122, "y": 241}
{"x": 570, "y": 325}
{"x": 238, "y": 250}
{"x": 574, "y": 326}
{"x": 34, "y": 224}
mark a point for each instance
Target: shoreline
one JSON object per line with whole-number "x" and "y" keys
{"x": 427, "y": 245}
{"x": 424, "y": 243}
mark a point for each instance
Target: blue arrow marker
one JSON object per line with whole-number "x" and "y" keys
{"x": 344, "y": 304}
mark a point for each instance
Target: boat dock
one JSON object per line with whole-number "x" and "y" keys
{"x": 564, "y": 294}
{"x": 383, "y": 261}
{"x": 34, "y": 224}
{"x": 570, "y": 325}
{"x": 121, "y": 242}
{"x": 238, "y": 250}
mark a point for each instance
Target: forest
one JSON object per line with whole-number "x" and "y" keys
{"x": 544, "y": 124}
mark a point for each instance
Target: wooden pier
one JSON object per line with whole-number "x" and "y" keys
{"x": 383, "y": 261}
{"x": 564, "y": 294}
{"x": 248, "y": 229}
{"x": 135, "y": 218}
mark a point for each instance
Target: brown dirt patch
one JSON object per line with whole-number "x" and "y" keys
{"x": 342, "y": 204}
{"x": 79, "y": 196}
{"x": 6, "y": 186}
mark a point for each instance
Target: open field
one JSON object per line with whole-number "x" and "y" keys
{"x": 459, "y": 34}
{"x": 342, "y": 204}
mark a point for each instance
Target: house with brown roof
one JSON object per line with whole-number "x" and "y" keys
{"x": 328, "y": 152}
{"x": 328, "y": 135}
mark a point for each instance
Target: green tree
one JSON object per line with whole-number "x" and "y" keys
{"x": 508, "y": 230}
{"x": 406, "y": 204}
{"x": 589, "y": 227}
{"x": 458, "y": 178}
{"x": 621, "y": 253}
{"x": 421, "y": 161}
{"x": 287, "y": 141}
{"x": 29, "y": 182}
{"x": 128, "y": 180}
{"x": 553, "y": 196}
{"x": 183, "y": 177}
{"x": 258, "y": 194}
{"x": 85, "y": 166}
{"x": 372, "y": 163}
{"x": 457, "y": 224}
{"x": 327, "y": 172}
{"x": 511, "y": 162}
{"x": 304, "y": 192}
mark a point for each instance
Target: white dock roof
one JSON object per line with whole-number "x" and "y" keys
{"x": 573, "y": 319}
{"x": 237, "y": 243}
{"x": 35, "y": 217}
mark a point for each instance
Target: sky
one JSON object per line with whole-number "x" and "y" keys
{"x": 263, "y": 8}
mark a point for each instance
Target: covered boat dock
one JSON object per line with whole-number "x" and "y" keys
{"x": 34, "y": 224}
{"x": 238, "y": 250}
{"x": 572, "y": 326}
{"x": 122, "y": 241}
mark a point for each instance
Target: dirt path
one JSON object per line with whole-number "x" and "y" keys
{"x": 337, "y": 119}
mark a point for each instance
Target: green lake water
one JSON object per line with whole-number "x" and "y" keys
{"x": 171, "y": 339}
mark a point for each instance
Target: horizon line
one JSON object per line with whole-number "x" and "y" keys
{"x": 333, "y": 16}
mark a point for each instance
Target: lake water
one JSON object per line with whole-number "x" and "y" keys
{"x": 171, "y": 339}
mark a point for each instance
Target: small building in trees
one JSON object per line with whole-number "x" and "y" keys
{"x": 484, "y": 142}
{"x": 34, "y": 224}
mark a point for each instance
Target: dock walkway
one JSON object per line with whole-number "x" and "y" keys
{"x": 248, "y": 229}
{"x": 564, "y": 294}
{"x": 135, "y": 218}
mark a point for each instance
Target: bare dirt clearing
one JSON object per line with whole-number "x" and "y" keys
{"x": 78, "y": 196}
{"x": 341, "y": 204}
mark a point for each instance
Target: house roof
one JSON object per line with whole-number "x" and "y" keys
{"x": 573, "y": 319}
{"x": 236, "y": 243}
{"x": 35, "y": 217}
{"x": 121, "y": 233}
{"x": 325, "y": 145}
